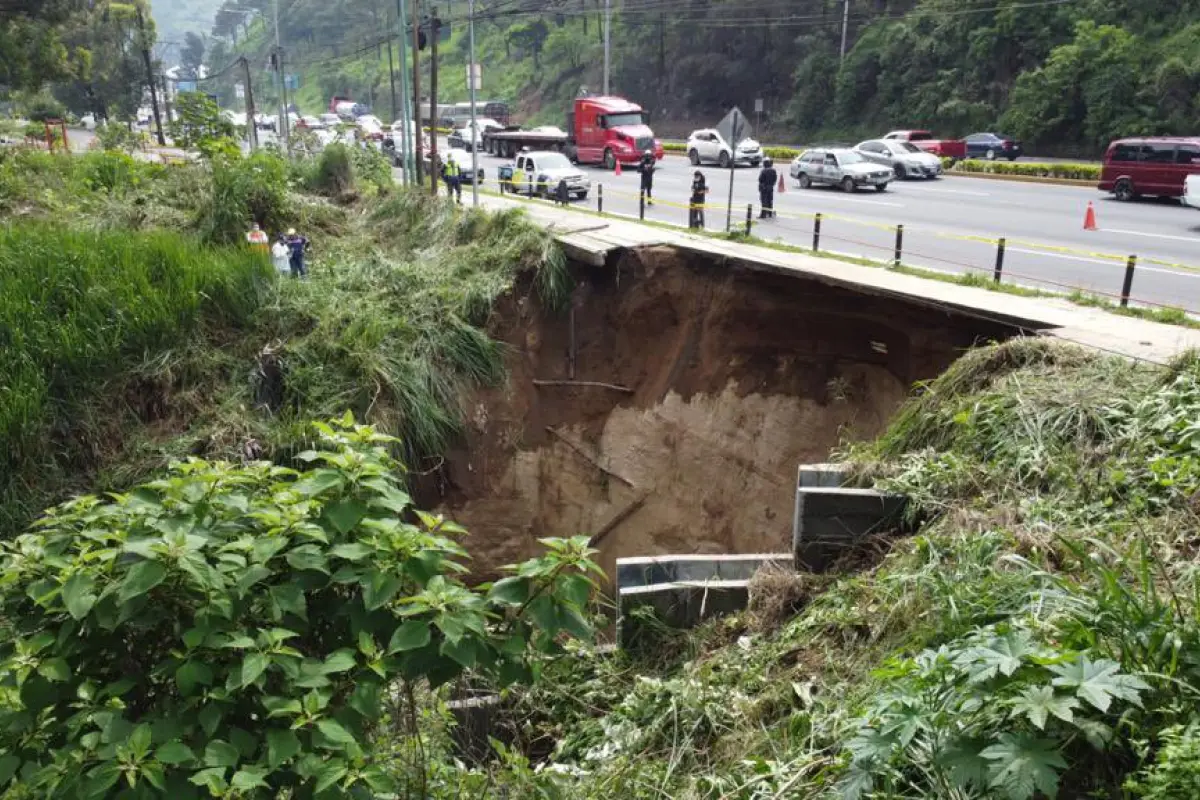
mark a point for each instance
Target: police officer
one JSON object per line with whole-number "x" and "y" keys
{"x": 766, "y": 190}
{"x": 452, "y": 174}
{"x": 696, "y": 207}
{"x": 646, "y": 167}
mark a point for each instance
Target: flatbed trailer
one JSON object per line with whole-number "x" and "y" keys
{"x": 508, "y": 142}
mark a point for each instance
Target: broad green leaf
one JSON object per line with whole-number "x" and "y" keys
{"x": 251, "y": 576}
{"x": 319, "y": 481}
{"x": 856, "y": 783}
{"x": 140, "y": 740}
{"x": 289, "y": 597}
{"x": 194, "y": 637}
{"x": 8, "y": 767}
{"x": 141, "y": 578}
{"x": 463, "y": 651}
{"x": 212, "y": 779}
{"x": 78, "y": 595}
{"x": 961, "y": 758}
{"x": 1002, "y": 655}
{"x": 379, "y": 589}
{"x": 253, "y": 665}
{"x": 1098, "y": 682}
{"x": 334, "y": 732}
{"x": 577, "y": 589}
{"x": 282, "y": 746}
{"x": 330, "y": 773}
{"x": 345, "y": 515}
{"x": 353, "y": 551}
{"x": 152, "y": 771}
{"x": 871, "y": 745}
{"x": 366, "y": 700}
{"x": 340, "y": 661}
{"x": 1022, "y": 765}
{"x": 510, "y": 591}
{"x": 248, "y": 778}
{"x": 221, "y": 754}
{"x": 209, "y": 718}
{"x": 175, "y": 753}
{"x": 544, "y": 613}
{"x": 308, "y": 557}
{"x": 1038, "y": 702}
{"x": 192, "y": 674}
{"x": 411, "y": 635}
{"x": 55, "y": 669}
{"x": 101, "y": 779}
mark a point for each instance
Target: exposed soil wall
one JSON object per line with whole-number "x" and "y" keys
{"x": 735, "y": 378}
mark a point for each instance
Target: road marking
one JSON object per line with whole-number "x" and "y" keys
{"x": 1192, "y": 239}
{"x": 821, "y": 196}
{"x": 940, "y": 190}
{"x": 1060, "y": 255}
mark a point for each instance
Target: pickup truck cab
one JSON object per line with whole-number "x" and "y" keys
{"x": 946, "y": 148}
{"x": 539, "y": 173}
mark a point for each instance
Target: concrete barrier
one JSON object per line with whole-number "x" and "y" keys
{"x": 831, "y": 517}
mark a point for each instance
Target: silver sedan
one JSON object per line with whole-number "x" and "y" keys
{"x": 906, "y": 160}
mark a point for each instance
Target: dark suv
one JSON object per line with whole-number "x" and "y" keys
{"x": 1149, "y": 166}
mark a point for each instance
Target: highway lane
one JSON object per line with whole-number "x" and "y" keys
{"x": 941, "y": 216}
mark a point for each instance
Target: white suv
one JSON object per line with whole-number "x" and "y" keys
{"x": 708, "y": 145}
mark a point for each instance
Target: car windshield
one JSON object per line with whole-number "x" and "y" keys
{"x": 553, "y": 161}
{"x": 849, "y": 157}
{"x": 621, "y": 120}
{"x": 905, "y": 147}
{"x": 920, "y": 136}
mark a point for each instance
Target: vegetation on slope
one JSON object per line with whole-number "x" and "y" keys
{"x": 131, "y": 345}
{"x": 1039, "y": 637}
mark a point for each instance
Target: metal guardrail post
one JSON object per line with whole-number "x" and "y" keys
{"x": 642, "y": 204}
{"x": 817, "y": 232}
{"x": 999, "y": 259}
{"x": 1130, "y": 265}
{"x": 899, "y": 245}
{"x": 599, "y": 198}
{"x": 749, "y": 211}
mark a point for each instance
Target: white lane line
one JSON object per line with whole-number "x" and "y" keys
{"x": 940, "y": 190}
{"x": 1192, "y": 239}
{"x": 1047, "y": 254}
{"x": 821, "y": 197}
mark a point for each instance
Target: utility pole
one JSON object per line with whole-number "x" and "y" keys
{"x": 406, "y": 136}
{"x": 283, "y": 125}
{"x": 250, "y": 125}
{"x": 476, "y": 139}
{"x": 845, "y": 24}
{"x": 416, "y": 101}
{"x": 141, "y": 19}
{"x": 433, "y": 115}
{"x": 607, "y": 40}
{"x": 392, "y": 81}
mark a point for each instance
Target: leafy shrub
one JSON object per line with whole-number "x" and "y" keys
{"x": 201, "y": 126}
{"x": 991, "y": 712}
{"x": 112, "y": 171}
{"x": 334, "y": 174}
{"x": 1079, "y": 172}
{"x": 244, "y": 191}
{"x": 114, "y": 136}
{"x": 1175, "y": 773}
{"x": 43, "y": 107}
{"x": 373, "y": 168}
{"x": 240, "y": 629}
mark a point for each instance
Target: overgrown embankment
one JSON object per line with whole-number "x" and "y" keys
{"x": 1039, "y": 637}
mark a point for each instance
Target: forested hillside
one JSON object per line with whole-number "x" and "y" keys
{"x": 1062, "y": 74}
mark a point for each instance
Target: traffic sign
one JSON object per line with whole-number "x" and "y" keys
{"x": 291, "y": 82}
{"x": 475, "y": 77}
{"x": 239, "y": 91}
{"x": 758, "y": 105}
{"x": 734, "y": 127}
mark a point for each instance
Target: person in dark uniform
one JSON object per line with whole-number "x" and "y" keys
{"x": 562, "y": 194}
{"x": 696, "y": 207}
{"x": 766, "y": 190}
{"x": 646, "y": 167}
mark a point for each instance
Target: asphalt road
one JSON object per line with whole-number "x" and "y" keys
{"x": 939, "y": 219}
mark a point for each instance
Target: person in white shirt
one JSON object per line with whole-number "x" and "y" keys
{"x": 281, "y": 256}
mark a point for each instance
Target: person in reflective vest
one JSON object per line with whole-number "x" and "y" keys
{"x": 696, "y": 207}
{"x": 257, "y": 239}
{"x": 452, "y": 174}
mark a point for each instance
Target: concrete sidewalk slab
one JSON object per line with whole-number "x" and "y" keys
{"x": 594, "y": 239}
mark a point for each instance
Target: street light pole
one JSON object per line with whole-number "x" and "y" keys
{"x": 476, "y": 139}
{"x": 284, "y": 122}
{"x": 607, "y": 40}
{"x": 845, "y": 24}
{"x": 406, "y": 135}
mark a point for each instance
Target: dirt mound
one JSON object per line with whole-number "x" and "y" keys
{"x": 710, "y": 385}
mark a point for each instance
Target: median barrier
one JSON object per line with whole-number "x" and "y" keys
{"x": 892, "y": 255}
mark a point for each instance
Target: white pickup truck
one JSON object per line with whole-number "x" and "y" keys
{"x": 1191, "y": 191}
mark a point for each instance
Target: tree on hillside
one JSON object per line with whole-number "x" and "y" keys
{"x": 191, "y": 56}
{"x": 31, "y": 52}
{"x": 107, "y": 73}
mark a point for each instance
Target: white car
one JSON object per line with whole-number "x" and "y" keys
{"x": 330, "y": 120}
{"x": 708, "y": 145}
{"x": 906, "y": 159}
{"x": 1191, "y": 191}
{"x": 370, "y": 127}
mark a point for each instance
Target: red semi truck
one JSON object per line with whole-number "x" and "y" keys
{"x": 600, "y": 130}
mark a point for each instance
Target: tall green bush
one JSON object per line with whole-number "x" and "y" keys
{"x": 334, "y": 174}
{"x": 239, "y": 631}
{"x": 245, "y": 191}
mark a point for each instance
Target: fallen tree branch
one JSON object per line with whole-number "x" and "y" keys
{"x": 589, "y": 458}
{"x": 593, "y": 384}
{"x": 621, "y": 516}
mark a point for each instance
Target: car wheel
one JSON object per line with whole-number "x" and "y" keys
{"x": 1123, "y": 190}
{"x": 583, "y": 195}
{"x": 755, "y": 164}
{"x": 723, "y": 160}
{"x": 990, "y": 155}
{"x": 848, "y": 185}
{"x": 804, "y": 181}
{"x": 694, "y": 157}
{"x": 901, "y": 172}
{"x": 1013, "y": 158}
{"x": 610, "y": 161}
{"x": 881, "y": 187}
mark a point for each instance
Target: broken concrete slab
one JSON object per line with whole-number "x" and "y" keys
{"x": 830, "y": 521}
{"x": 648, "y": 570}
{"x": 681, "y": 605}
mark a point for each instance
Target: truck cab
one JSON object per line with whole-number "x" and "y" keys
{"x": 606, "y": 130}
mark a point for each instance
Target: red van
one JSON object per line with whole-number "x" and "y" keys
{"x": 1154, "y": 165}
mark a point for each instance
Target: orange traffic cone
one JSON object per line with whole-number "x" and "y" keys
{"x": 1089, "y": 219}
{"x": 618, "y": 171}
{"x": 782, "y": 188}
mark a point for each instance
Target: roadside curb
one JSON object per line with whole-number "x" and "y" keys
{"x": 991, "y": 176}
